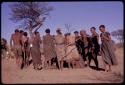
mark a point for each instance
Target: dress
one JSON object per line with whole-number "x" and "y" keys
{"x": 60, "y": 47}
{"x": 35, "y": 51}
{"x": 107, "y": 50}
{"x": 71, "y": 50}
{"x": 48, "y": 47}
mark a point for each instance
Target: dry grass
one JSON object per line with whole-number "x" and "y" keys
{"x": 11, "y": 74}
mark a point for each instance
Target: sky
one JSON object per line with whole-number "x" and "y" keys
{"x": 80, "y": 15}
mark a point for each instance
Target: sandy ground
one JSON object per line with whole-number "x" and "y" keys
{"x": 12, "y": 75}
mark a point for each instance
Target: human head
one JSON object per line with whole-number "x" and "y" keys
{"x": 67, "y": 34}
{"x": 92, "y": 29}
{"x": 102, "y": 28}
{"x": 3, "y": 41}
{"x": 82, "y": 32}
{"x": 76, "y": 33}
{"x": 47, "y": 30}
{"x": 36, "y": 32}
{"x": 16, "y": 31}
{"x": 25, "y": 33}
{"x": 58, "y": 31}
{"x": 21, "y": 31}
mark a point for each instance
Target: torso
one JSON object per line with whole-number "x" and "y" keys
{"x": 95, "y": 39}
{"x": 59, "y": 39}
{"x": 16, "y": 39}
{"x": 106, "y": 34}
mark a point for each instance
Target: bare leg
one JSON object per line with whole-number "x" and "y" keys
{"x": 49, "y": 64}
{"x": 73, "y": 63}
{"x": 61, "y": 64}
{"x": 69, "y": 64}
{"x": 45, "y": 64}
{"x": 20, "y": 62}
{"x": 110, "y": 68}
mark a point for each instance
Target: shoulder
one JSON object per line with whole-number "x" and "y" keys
{"x": 88, "y": 36}
{"x": 107, "y": 33}
{"x": 97, "y": 34}
{"x": 12, "y": 34}
{"x": 43, "y": 36}
{"x": 101, "y": 34}
{"x": 52, "y": 36}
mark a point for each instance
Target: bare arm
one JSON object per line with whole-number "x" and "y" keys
{"x": 98, "y": 38}
{"x": 11, "y": 39}
{"x": 30, "y": 31}
{"x": 40, "y": 24}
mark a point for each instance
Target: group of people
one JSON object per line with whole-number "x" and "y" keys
{"x": 78, "y": 49}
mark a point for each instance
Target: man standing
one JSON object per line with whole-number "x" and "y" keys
{"x": 16, "y": 46}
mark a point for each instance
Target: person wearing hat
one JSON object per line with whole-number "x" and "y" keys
{"x": 60, "y": 47}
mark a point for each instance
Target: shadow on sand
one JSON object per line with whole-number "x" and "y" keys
{"x": 94, "y": 68}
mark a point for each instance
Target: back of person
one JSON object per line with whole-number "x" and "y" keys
{"x": 16, "y": 39}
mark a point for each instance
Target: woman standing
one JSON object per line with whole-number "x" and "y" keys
{"x": 35, "y": 50}
{"x": 60, "y": 47}
{"x": 48, "y": 48}
{"x": 107, "y": 51}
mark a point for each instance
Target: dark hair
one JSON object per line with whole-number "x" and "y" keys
{"x": 76, "y": 32}
{"x": 4, "y": 40}
{"x": 36, "y": 32}
{"x": 68, "y": 33}
{"x": 21, "y": 31}
{"x": 93, "y": 28}
{"x": 25, "y": 33}
{"x": 102, "y": 26}
{"x": 58, "y": 31}
{"x": 47, "y": 30}
{"x": 16, "y": 30}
